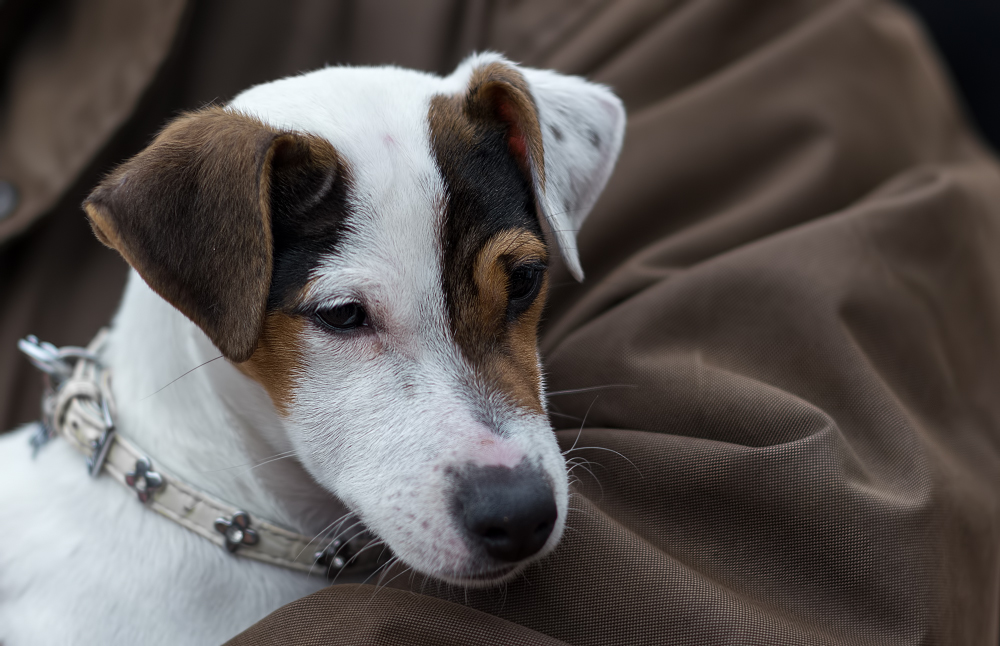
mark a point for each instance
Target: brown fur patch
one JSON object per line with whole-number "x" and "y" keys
{"x": 498, "y": 91}
{"x": 192, "y": 213}
{"x": 507, "y": 353}
{"x": 497, "y": 257}
{"x": 277, "y": 363}
{"x": 488, "y": 145}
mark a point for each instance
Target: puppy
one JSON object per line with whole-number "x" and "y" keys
{"x": 356, "y": 261}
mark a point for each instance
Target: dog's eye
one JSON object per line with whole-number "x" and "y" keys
{"x": 522, "y": 288}
{"x": 343, "y": 317}
{"x": 523, "y": 282}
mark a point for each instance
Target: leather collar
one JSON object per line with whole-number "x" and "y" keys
{"x": 79, "y": 406}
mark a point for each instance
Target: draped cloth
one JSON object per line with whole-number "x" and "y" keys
{"x": 778, "y": 387}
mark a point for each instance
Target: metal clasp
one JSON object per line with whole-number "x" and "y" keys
{"x": 102, "y": 445}
{"x": 51, "y": 360}
{"x": 57, "y": 364}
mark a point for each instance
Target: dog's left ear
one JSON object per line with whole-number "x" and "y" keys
{"x": 565, "y": 131}
{"x": 193, "y": 214}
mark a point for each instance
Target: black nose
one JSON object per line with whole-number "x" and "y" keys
{"x": 509, "y": 512}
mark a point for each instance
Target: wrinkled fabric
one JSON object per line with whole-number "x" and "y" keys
{"x": 777, "y": 387}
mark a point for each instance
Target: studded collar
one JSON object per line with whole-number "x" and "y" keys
{"x": 79, "y": 406}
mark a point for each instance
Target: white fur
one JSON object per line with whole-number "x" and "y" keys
{"x": 376, "y": 420}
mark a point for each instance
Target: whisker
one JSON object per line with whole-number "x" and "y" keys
{"x": 372, "y": 545}
{"x": 564, "y": 213}
{"x": 392, "y": 560}
{"x": 580, "y": 461}
{"x": 573, "y": 417}
{"x": 179, "y": 378}
{"x": 582, "y": 424}
{"x": 604, "y": 448}
{"x": 389, "y": 563}
{"x": 584, "y": 465}
{"x": 340, "y": 533}
{"x": 344, "y": 544}
{"x": 381, "y": 585}
{"x": 573, "y": 391}
{"x": 283, "y": 454}
{"x": 324, "y": 531}
{"x": 284, "y": 457}
{"x": 353, "y": 536}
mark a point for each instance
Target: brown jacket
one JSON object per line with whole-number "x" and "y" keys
{"x": 783, "y": 360}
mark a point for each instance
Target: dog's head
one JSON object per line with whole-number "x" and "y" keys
{"x": 371, "y": 245}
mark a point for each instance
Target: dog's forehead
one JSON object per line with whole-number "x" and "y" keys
{"x": 376, "y": 118}
{"x": 384, "y": 124}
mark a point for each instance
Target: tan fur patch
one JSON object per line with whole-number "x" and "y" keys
{"x": 505, "y": 250}
{"x": 506, "y": 350}
{"x": 277, "y": 364}
{"x": 103, "y": 228}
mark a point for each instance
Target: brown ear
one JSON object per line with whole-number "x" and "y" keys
{"x": 192, "y": 214}
{"x": 498, "y": 92}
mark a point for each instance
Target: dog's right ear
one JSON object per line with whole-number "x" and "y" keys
{"x": 192, "y": 214}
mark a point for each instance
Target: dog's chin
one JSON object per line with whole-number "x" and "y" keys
{"x": 485, "y": 578}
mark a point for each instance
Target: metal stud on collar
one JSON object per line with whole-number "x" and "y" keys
{"x": 331, "y": 557}
{"x": 356, "y": 552}
{"x": 143, "y": 479}
{"x": 237, "y": 531}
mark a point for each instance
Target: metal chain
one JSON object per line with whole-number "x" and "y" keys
{"x": 58, "y": 365}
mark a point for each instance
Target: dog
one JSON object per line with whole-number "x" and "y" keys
{"x": 337, "y": 281}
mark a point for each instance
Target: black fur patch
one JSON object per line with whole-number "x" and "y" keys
{"x": 487, "y": 193}
{"x": 302, "y": 236}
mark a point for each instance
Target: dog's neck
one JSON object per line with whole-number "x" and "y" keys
{"x": 202, "y": 420}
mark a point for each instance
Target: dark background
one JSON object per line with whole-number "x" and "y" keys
{"x": 968, "y": 34}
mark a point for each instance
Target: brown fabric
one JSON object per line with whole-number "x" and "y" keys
{"x": 66, "y": 96}
{"x": 787, "y": 332}
{"x": 76, "y": 73}
{"x": 366, "y": 615}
